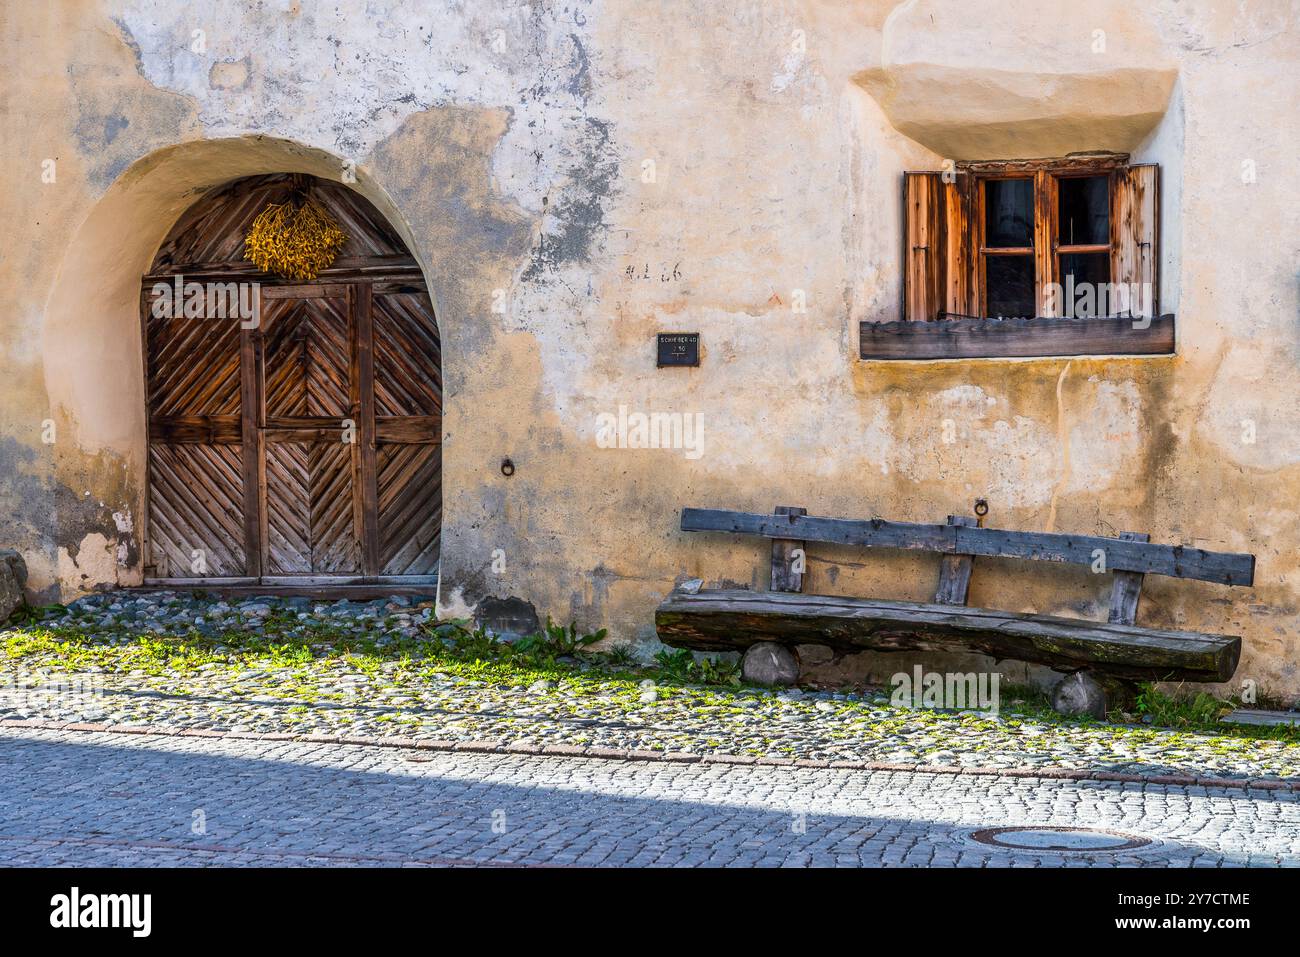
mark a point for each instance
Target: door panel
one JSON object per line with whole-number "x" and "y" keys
{"x": 196, "y": 524}
{"x": 309, "y": 438}
{"x": 287, "y": 538}
{"x": 408, "y": 360}
{"x": 410, "y": 509}
{"x": 193, "y": 366}
{"x": 408, "y": 410}
{"x": 196, "y": 512}
{"x": 310, "y": 520}
{"x": 306, "y": 353}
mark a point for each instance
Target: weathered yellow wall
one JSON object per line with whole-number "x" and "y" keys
{"x": 509, "y": 144}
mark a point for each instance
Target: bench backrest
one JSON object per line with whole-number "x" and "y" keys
{"x": 1128, "y": 557}
{"x": 1178, "y": 561}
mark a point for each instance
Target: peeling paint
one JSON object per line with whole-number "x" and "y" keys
{"x": 574, "y": 225}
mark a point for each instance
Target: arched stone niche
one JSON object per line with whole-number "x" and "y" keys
{"x": 91, "y": 343}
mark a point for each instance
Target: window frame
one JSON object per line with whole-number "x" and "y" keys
{"x": 1046, "y": 247}
{"x": 944, "y": 333}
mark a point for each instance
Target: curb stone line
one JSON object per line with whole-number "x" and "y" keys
{"x": 675, "y": 757}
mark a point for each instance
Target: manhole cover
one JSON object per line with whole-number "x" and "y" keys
{"x": 1059, "y": 839}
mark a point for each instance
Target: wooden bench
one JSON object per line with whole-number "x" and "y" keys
{"x": 733, "y": 619}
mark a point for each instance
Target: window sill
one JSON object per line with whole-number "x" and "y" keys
{"x": 1015, "y": 338}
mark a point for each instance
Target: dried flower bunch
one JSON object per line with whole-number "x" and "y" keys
{"x": 295, "y": 239}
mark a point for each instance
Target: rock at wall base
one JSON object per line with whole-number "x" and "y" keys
{"x": 13, "y": 576}
{"x": 767, "y": 663}
{"x": 507, "y": 618}
{"x": 814, "y": 656}
{"x": 1078, "y": 694}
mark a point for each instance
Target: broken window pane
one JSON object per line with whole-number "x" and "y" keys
{"x": 1010, "y": 284}
{"x": 1085, "y": 282}
{"x": 1009, "y": 212}
{"x": 1084, "y": 210}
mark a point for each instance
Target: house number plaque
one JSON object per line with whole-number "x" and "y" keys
{"x": 679, "y": 349}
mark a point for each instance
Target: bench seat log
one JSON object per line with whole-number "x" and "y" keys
{"x": 731, "y": 620}
{"x": 1178, "y": 561}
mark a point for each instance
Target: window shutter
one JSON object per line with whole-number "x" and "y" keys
{"x": 961, "y": 296}
{"x": 1135, "y": 250}
{"x": 938, "y": 272}
{"x": 923, "y": 273}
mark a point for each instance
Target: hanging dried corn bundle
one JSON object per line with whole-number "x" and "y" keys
{"x": 294, "y": 239}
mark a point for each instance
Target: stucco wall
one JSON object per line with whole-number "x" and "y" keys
{"x": 512, "y": 145}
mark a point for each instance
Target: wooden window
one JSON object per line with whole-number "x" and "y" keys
{"x": 1029, "y": 258}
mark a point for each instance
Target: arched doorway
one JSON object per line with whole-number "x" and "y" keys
{"x": 294, "y": 427}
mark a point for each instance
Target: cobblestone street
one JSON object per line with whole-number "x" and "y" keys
{"x": 174, "y": 662}
{"x": 82, "y": 798}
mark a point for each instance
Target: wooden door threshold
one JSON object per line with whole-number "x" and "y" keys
{"x": 354, "y": 589}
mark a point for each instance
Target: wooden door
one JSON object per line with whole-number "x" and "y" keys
{"x": 303, "y": 448}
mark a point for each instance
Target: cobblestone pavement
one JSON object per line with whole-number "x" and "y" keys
{"x": 116, "y": 799}
{"x": 401, "y": 686}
